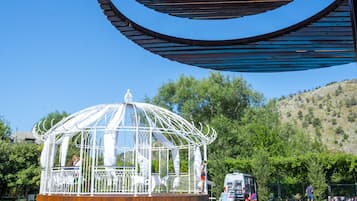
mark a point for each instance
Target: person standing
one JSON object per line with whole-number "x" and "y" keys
{"x": 203, "y": 175}
{"x": 310, "y": 193}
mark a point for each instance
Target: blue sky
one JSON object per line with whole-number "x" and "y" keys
{"x": 65, "y": 56}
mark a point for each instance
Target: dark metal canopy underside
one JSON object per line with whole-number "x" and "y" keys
{"x": 323, "y": 40}
{"x": 212, "y": 9}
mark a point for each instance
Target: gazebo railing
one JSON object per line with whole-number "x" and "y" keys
{"x": 116, "y": 180}
{"x": 64, "y": 180}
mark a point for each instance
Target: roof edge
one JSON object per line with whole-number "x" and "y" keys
{"x": 174, "y": 39}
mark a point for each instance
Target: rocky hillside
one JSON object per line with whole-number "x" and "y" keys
{"x": 327, "y": 113}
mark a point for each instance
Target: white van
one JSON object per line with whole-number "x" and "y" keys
{"x": 236, "y": 183}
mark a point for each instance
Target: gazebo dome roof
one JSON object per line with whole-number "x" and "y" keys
{"x": 132, "y": 116}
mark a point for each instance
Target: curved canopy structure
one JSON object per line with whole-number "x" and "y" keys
{"x": 130, "y": 117}
{"x": 126, "y": 148}
{"x": 213, "y": 9}
{"x": 323, "y": 40}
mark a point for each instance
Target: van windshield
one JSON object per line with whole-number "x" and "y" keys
{"x": 237, "y": 185}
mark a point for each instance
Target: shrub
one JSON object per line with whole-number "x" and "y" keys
{"x": 351, "y": 116}
{"x": 334, "y": 122}
{"x": 339, "y": 130}
{"x": 300, "y": 116}
{"x": 316, "y": 122}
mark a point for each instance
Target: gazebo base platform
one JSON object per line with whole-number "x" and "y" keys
{"x": 154, "y": 197}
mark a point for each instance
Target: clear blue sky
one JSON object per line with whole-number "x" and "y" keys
{"x": 64, "y": 55}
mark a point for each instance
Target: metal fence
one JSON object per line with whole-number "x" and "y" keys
{"x": 295, "y": 192}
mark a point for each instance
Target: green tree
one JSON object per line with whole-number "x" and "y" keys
{"x": 334, "y": 121}
{"x": 316, "y": 122}
{"x": 351, "y": 102}
{"x": 351, "y": 116}
{"x": 317, "y": 177}
{"x": 24, "y": 176}
{"x": 207, "y": 98}
{"x": 5, "y": 130}
{"x": 338, "y": 90}
{"x": 300, "y": 115}
{"x": 247, "y": 127}
{"x": 262, "y": 170}
{"x": 19, "y": 168}
{"x": 339, "y": 130}
{"x": 5, "y": 166}
{"x": 219, "y": 101}
{"x": 45, "y": 123}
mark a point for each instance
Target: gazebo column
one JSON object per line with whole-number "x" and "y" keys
{"x": 51, "y": 161}
{"x": 133, "y": 178}
{"x": 93, "y": 163}
{"x": 45, "y": 166}
{"x": 150, "y": 161}
{"x": 167, "y": 167}
{"x": 189, "y": 169}
{"x": 80, "y": 167}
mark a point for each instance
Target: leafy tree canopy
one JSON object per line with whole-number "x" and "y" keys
{"x": 50, "y": 120}
{"x": 5, "y": 130}
{"x": 246, "y": 125}
{"x": 19, "y": 168}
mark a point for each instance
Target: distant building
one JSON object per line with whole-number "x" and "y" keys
{"x": 23, "y": 136}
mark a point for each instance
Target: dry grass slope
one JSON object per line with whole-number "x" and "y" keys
{"x": 327, "y": 113}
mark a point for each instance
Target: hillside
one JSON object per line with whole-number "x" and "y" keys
{"x": 327, "y": 113}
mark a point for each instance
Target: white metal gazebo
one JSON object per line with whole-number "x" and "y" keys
{"x": 127, "y": 148}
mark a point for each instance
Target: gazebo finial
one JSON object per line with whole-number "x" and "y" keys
{"x": 128, "y": 97}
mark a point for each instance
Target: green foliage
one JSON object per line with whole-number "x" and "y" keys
{"x": 300, "y": 115}
{"x": 305, "y": 124}
{"x": 223, "y": 103}
{"x": 48, "y": 121}
{"x": 351, "y": 102}
{"x": 331, "y": 83}
{"x": 318, "y": 132}
{"x": 309, "y": 118}
{"x": 334, "y": 113}
{"x": 20, "y": 171}
{"x": 339, "y": 130}
{"x": 207, "y": 98}
{"x": 334, "y": 121}
{"x": 338, "y": 90}
{"x": 249, "y": 132}
{"x": 19, "y": 165}
{"x": 317, "y": 177}
{"x": 351, "y": 117}
{"x": 316, "y": 122}
{"x": 262, "y": 170}
{"x": 5, "y": 130}
{"x": 318, "y": 168}
{"x": 345, "y": 137}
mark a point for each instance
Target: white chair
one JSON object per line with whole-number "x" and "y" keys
{"x": 155, "y": 181}
{"x": 176, "y": 183}
{"x": 138, "y": 182}
{"x": 164, "y": 180}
